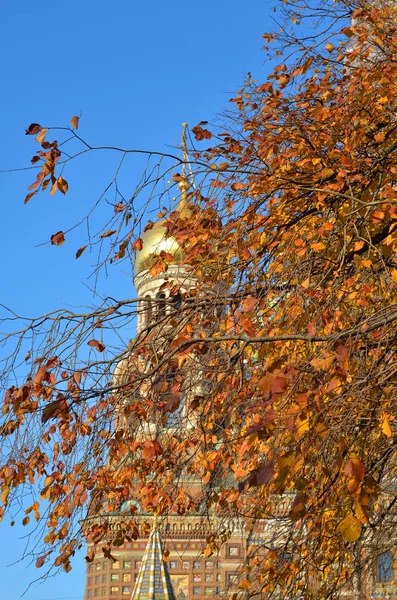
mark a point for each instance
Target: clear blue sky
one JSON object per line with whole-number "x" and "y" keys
{"x": 136, "y": 71}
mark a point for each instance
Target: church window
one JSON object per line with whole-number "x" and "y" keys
{"x": 385, "y": 567}
{"x": 196, "y": 590}
{"x": 197, "y": 577}
{"x": 126, "y": 564}
{"x": 126, "y": 589}
{"x": 114, "y": 589}
{"x": 209, "y": 590}
{"x": 208, "y": 577}
{"x": 232, "y": 578}
{"x": 173, "y": 564}
{"x": 127, "y": 577}
{"x": 209, "y": 564}
{"x": 148, "y": 310}
{"x": 185, "y": 564}
{"x": 104, "y": 578}
{"x": 197, "y": 564}
{"x": 116, "y": 565}
{"x": 234, "y": 551}
{"x": 161, "y": 305}
{"x": 114, "y": 577}
{"x": 97, "y": 579}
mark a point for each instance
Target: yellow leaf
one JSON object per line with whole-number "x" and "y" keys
{"x": 394, "y": 275}
{"x": 385, "y": 425}
{"x": 350, "y": 528}
{"x": 41, "y": 136}
{"x": 54, "y": 188}
{"x": 329, "y": 47}
{"x": 305, "y": 284}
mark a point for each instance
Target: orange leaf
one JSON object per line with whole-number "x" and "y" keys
{"x": 355, "y": 468}
{"x": 58, "y": 238}
{"x": 385, "y": 426}
{"x": 249, "y": 303}
{"x": 137, "y": 244}
{"x": 97, "y": 345}
{"x": 74, "y": 122}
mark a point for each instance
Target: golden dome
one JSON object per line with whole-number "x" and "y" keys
{"x": 156, "y": 239}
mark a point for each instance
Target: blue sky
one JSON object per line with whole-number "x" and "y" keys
{"x": 136, "y": 71}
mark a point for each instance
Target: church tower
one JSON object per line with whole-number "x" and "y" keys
{"x": 139, "y": 568}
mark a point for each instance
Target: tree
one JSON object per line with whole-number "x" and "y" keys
{"x": 290, "y": 234}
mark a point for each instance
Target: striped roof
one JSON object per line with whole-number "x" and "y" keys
{"x": 153, "y": 581}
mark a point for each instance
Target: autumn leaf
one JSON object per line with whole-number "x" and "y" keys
{"x": 137, "y": 244}
{"x": 108, "y": 233}
{"x": 249, "y": 304}
{"x": 62, "y": 185}
{"x": 74, "y": 122}
{"x": 385, "y": 426}
{"x": 201, "y": 134}
{"x": 40, "y": 138}
{"x": 58, "y": 238}
{"x": 80, "y": 251}
{"x": 33, "y": 129}
{"x": 355, "y": 468}
{"x": 350, "y": 528}
{"x": 97, "y": 345}
{"x": 40, "y": 561}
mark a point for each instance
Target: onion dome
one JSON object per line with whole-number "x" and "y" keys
{"x": 158, "y": 239}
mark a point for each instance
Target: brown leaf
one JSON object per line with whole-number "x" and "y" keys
{"x": 108, "y": 233}
{"x": 33, "y": 129}
{"x": 58, "y": 238}
{"x": 80, "y": 251}
{"x": 40, "y": 561}
{"x": 29, "y": 196}
{"x": 201, "y": 134}
{"x": 97, "y": 345}
{"x": 74, "y": 122}
{"x": 62, "y": 185}
{"x": 137, "y": 244}
{"x": 119, "y": 207}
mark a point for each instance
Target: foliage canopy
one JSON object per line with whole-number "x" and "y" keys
{"x": 291, "y": 235}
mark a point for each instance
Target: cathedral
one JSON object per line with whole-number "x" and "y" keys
{"x": 140, "y": 569}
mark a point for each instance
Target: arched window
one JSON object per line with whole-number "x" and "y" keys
{"x": 148, "y": 310}
{"x": 161, "y": 305}
{"x": 177, "y": 301}
{"x": 385, "y": 567}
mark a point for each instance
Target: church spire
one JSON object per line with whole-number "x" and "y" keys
{"x": 153, "y": 581}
